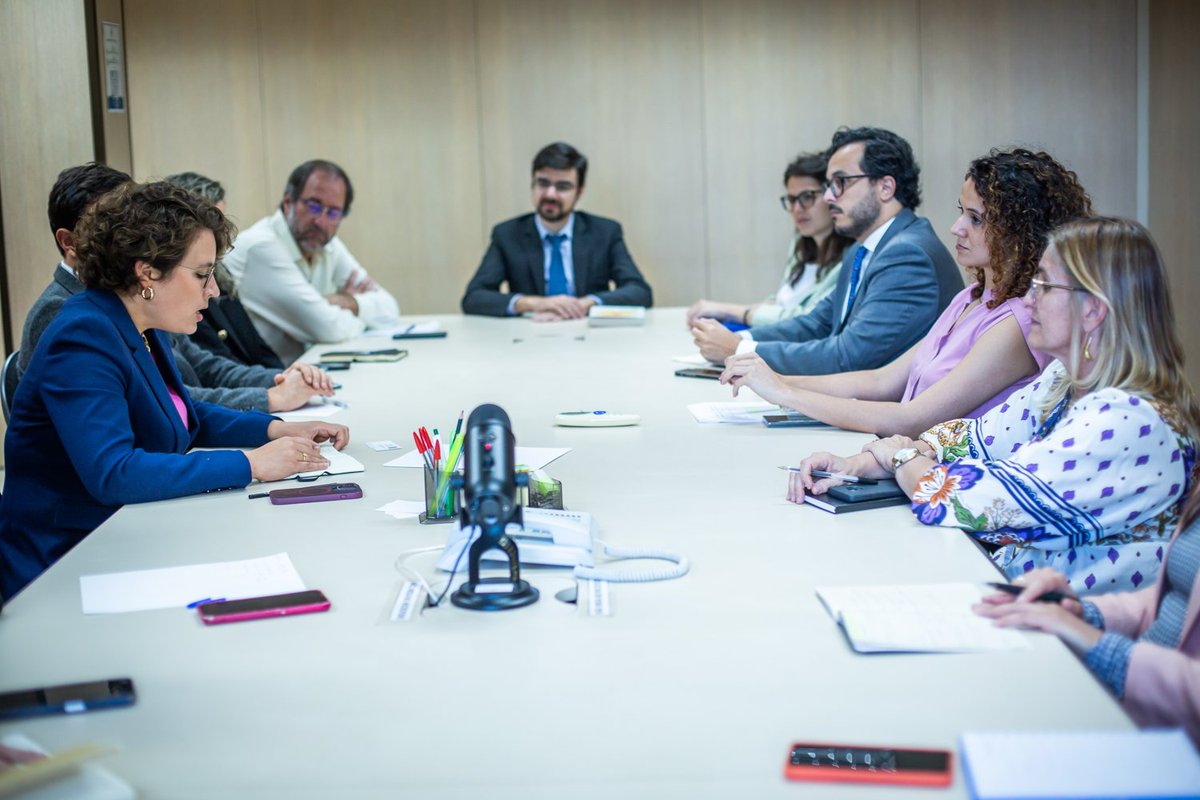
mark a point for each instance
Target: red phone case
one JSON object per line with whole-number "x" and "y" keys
{"x": 316, "y": 494}
{"x": 290, "y": 604}
{"x": 862, "y": 774}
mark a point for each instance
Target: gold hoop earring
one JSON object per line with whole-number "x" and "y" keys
{"x": 1087, "y": 348}
{"x": 147, "y": 293}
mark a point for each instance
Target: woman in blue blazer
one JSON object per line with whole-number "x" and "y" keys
{"x": 101, "y": 417}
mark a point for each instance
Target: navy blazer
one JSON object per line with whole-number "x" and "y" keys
{"x": 93, "y": 428}
{"x": 516, "y": 256}
{"x": 910, "y": 279}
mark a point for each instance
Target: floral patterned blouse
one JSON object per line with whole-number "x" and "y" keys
{"x": 1090, "y": 488}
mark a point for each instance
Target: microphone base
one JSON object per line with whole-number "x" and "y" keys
{"x": 494, "y": 594}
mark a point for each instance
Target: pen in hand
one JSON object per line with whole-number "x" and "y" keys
{"x": 822, "y": 473}
{"x": 1045, "y": 597}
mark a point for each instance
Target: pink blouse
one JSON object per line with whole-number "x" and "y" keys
{"x": 951, "y": 338}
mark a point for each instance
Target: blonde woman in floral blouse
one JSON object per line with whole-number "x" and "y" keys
{"x": 1084, "y": 469}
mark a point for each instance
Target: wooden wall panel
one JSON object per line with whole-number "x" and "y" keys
{"x": 1058, "y": 76}
{"x": 621, "y": 81}
{"x": 388, "y": 91}
{"x": 1174, "y": 160}
{"x": 779, "y": 78}
{"x": 195, "y": 101}
{"x": 45, "y": 126}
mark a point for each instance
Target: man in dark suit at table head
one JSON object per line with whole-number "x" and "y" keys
{"x": 557, "y": 262}
{"x": 896, "y": 277}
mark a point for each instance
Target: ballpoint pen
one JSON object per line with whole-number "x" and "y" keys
{"x": 1044, "y": 597}
{"x": 822, "y": 473}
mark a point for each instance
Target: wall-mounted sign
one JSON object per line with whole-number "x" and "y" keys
{"x": 114, "y": 68}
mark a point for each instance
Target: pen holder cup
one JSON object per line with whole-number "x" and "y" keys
{"x": 441, "y": 500}
{"x": 543, "y": 492}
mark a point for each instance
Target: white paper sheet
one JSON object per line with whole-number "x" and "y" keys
{"x": 697, "y": 360}
{"x": 1092, "y": 764}
{"x": 429, "y": 326}
{"x": 737, "y": 413}
{"x": 532, "y": 457}
{"x": 339, "y": 464}
{"x": 317, "y": 408}
{"x": 403, "y": 509}
{"x": 176, "y": 587}
{"x": 928, "y": 618}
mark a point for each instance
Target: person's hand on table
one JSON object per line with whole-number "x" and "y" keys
{"x": 749, "y": 370}
{"x": 711, "y": 309}
{"x": 315, "y": 432}
{"x": 314, "y": 376}
{"x": 291, "y": 391}
{"x": 12, "y": 756}
{"x": 285, "y": 456}
{"x": 554, "y": 308}
{"x": 885, "y": 449}
{"x": 1064, "y": 620}
{"x": 801, "y": 483}
{"x": 715, "y": 341}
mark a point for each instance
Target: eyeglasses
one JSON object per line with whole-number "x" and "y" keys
{"x": 317, "y": 208}
{"x": 805, "y": 199}
{"x": 205, "y": 275}
{"x": 837, "y": 184}
{"x": 1037, "y": 286}
{"x": 562, "y": 187}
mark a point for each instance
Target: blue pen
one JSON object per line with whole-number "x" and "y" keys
{"x": 206, "y": 600}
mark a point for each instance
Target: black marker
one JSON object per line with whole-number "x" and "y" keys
{"x": 1048, "y": 597}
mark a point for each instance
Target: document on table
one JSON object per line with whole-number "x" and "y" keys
{"x": 176, "y": 587}
{"x": 1077, "y": 764}
{"x": 339, "y": 464}
{"x": 403, "y": 509}
{"x": 742, "y": 413}
{"x": 926, "y": 618}
{"x": 317, "y": 408}
{"x": 531, "y": 457}
{"x": 413, "y": 328}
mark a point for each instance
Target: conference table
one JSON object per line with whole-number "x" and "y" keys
{"x": 693, "y": 687}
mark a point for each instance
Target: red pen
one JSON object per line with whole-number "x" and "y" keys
{"x": 437, "y": 454}
{"x": 421, "y": 449}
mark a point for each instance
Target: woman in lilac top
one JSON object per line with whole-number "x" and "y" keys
{"x": 976, "y": 354}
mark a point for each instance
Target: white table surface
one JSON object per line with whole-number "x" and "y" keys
{"x": 693, "y": 688}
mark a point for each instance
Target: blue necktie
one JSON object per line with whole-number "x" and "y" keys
{"x": 855, "y": 271}
{"x": 557, "y": 281}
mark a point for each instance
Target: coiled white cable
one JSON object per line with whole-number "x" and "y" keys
{"x": 627, "y": 575}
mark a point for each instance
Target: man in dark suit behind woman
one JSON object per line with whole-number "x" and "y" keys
{"x": 559, "y": 262}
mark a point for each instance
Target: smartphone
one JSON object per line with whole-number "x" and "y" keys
{"x": 699, "y": 372}
{"x": 862, "y": 764}
{"x": 862, "y": 492}
{"x": 68, "y": 698}
{"x": 791, "y": 419}
{"x": 365, "y": 355}
{"x": 316, "y": 494}
{"x": 276, "y": 605}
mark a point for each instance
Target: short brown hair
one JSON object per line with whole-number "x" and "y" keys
{"x": 151, "y": 222}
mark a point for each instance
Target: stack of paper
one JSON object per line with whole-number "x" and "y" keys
{"x": 731, "y": 413}
{"x": 616, "y": 316}
{"x": 929, "y": 618}
{"x": 1092, "y": 764}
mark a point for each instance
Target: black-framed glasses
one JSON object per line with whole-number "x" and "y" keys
{"x": 837, "y": 184}
{"x": 562, "y": 187}
{"x": 1037, "y": 286}
{"x": 317, "y": 208}
{"x": 805, "y": 199}
{"x": 204, "y": 274}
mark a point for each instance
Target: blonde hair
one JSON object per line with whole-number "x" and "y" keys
{"x": 1135, "y": 348}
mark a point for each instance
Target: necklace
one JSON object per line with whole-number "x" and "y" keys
{"x": 146, "y": 342}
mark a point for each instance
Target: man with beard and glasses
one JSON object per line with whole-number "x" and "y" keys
{"x": 559, "y": 262}
{"x": 296, "y": 278}
{"x": 896, "y": 276}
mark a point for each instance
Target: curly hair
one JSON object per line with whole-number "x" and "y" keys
{"x": 1025, "y": 196}
{"x": 151, "y": 222}
{"x": 884, "y": 153}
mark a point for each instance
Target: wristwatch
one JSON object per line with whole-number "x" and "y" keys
{"x": 903, "y": 456}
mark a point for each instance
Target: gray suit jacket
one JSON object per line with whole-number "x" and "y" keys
{"x": 208, "y": 377}
{"x": 516, "y": 256}
{"x": 911, "y": 277}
